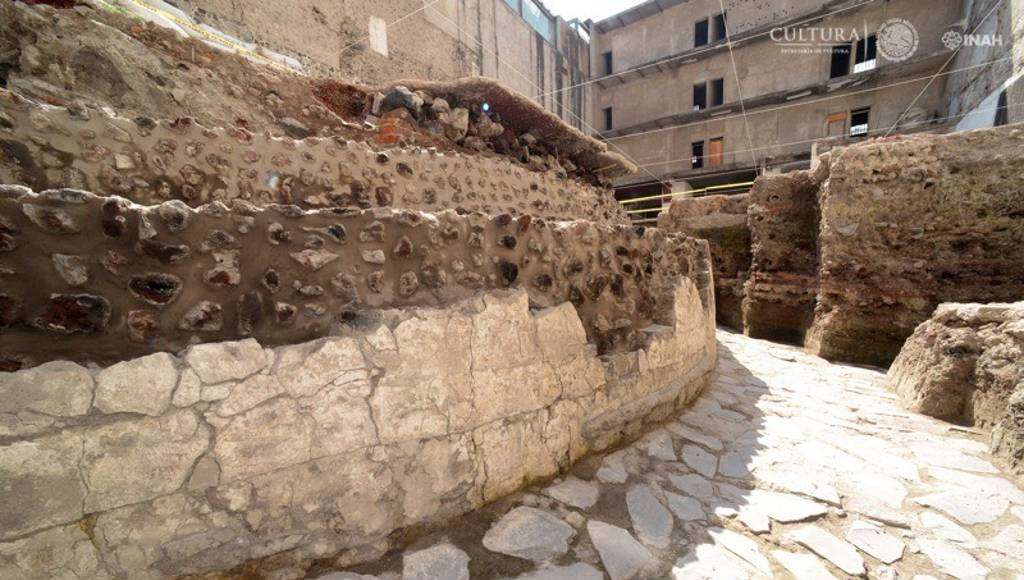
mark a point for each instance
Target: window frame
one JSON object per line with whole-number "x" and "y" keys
{"x": 703, "y": 88}
{"x": 866, "y": 59}
{"x": 697, "y": 155}
{"x": 716, "y": 21}
{"x": 607, "y": 62}
{"x": 860, "y": 129}
{"x": 716, "y": 92}
{"x": 698, "y": 35}
{"x": 609, "y": 118}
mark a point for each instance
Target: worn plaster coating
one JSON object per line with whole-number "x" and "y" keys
{"x": 232, "y": 452}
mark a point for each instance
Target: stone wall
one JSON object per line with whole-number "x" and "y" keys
{"x": 722, "y": 221}
{"x": 909, "y": 223}
{"x": 166, "y": 465}
{"x": 779, "y": 300}
{"x": 966, "y": 364}
{"x": 87, "y": 278}
{"x": 149, "y": 161}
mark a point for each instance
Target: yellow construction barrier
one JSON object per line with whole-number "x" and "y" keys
{"x": 690, "y": 192}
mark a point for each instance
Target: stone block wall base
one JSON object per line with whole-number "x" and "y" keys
{"x": 235, "y": 455}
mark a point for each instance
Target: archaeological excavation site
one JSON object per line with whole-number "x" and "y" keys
{"x": 498, "y": 289}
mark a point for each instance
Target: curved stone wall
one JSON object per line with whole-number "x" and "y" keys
{"x": 98, "y": 279}
{"x": 166, "y": 465}
{"x": 722, "y": 221}
{"x": 149, "y": 161}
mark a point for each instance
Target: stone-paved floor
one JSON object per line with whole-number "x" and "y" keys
{"x": 787, "y": 467}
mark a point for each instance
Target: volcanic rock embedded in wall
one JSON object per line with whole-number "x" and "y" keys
{"x": 722, "y": 221}
{"x": 112, "y": 279}
{"x": 166, "y": 465}
{"x": 779, "y": 296}
{"x": 150, "y": 161}
{"x": 966, "y": 364}
{"x": 911, "y": 222}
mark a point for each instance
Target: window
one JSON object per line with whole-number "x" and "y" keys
{"x": 715, "y": 147}
{"x": 859, "y": 120}
{"x": 865, "y": 58}
{"x": 514, "y": 4}
{"x": 840, "y": 61}
{"x": 540, "y": 22}
{"x": 719, "y": 31}
{"x": 700, "y": 33}
{"x": 700, "y": 96}
{"x": 717, "y": 92}
{"x": 607, "y": 118}
{"x": 697, "y": 156}
{"x": 835, "y": 124}
{"x": 607, "y": 57}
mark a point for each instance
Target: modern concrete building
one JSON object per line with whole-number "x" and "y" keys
{"x": 519, "y": 42}
{"x": 801, "y": 76}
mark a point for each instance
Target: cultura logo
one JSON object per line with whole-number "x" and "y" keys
{"x": 897, "y": 40}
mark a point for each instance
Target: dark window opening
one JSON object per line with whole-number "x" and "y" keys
{"x": 840, "y": 61}
{"x": 859, "y": 121}
{"x": 719, "y": 31}
{"x": 700, "y": 33}
{"x": 1002, "y": 115}
{"x": 607, "y": 62}
{"x": 866, "y": 55}
{"x": 717, "y": 92}
{"x": 607, "y": 118}
{"x": 700, "y": 96}
{"x": 697, "y": 156}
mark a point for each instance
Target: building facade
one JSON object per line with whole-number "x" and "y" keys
{"x": 801, "y": 77}
{"x": 518, "y": 42}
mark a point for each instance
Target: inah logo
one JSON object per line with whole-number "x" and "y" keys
{"x": 897, "y": 39}
{"x": 952, "y": 39}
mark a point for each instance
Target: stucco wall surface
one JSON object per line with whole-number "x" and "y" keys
{"x": 232, "y": 452}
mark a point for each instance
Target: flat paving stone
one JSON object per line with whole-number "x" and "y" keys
{"x": 574, "y": 492}
{"x": 784, "y": 507}
{"x": 967, "y": 505}
{"x": 659, "y": 446}
{"x": 693, "y": 485}
{"x": 690, "y": 434}
{"x": 700, "y": 461}
{"x": 742, "y": 547}
{"x": 824, "y": 544}
{"x": 578, "y": 571}
{"x": 623, "y": 557}
{"x": 802, "y": 566}
{"x": 875, "y": 541}
{"x": 652, "y": 522}
{"x": 613, "y": 469}
{"x": 529, "y": 533}
{"x": 952, "y": 560}
{"x": 685, "y": 508}
{"x": 440, "y": 562}
{"x": 708, "y": 562}
{"x": 946, "y": 529}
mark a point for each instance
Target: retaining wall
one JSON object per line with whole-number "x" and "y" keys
{"x": 779, "y": 297}
{"x": 165, "y": 465}
{"x": 911, "y": 222}
{"x": 722, "y": 221}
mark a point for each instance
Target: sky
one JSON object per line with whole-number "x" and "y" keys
{"x": 583, "y": 9}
